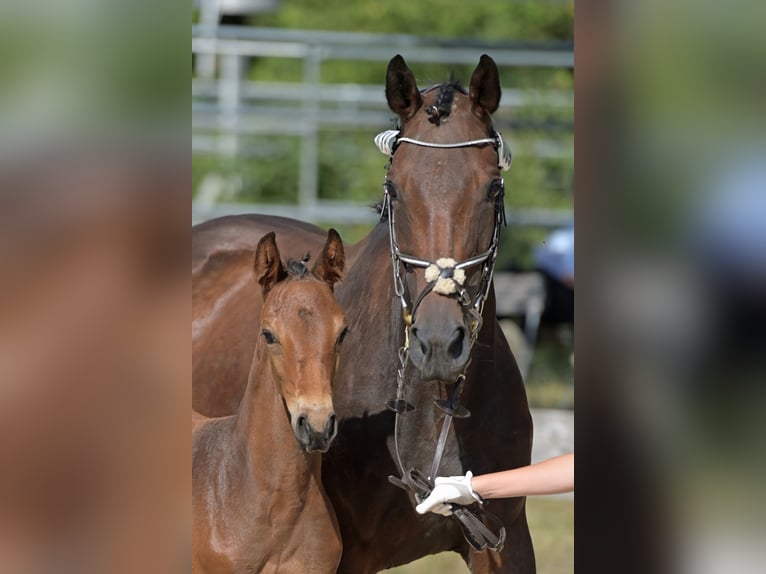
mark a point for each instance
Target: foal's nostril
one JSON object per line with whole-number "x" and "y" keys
{"x": 302, "y": 424}
{"x": 331, "y": 427}
{"x": 455, "y": 348}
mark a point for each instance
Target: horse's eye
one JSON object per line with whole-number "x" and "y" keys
{"x": 342, "y": 336}
{"x": 496, "y": 189}
{"x": 390, "y": 189}
{"x": 268, "y": 337}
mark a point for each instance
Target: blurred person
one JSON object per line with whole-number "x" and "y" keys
{"x": 551, "y": 476}
{"x": 554, "y": 259}
{"x": 727, "y": 237}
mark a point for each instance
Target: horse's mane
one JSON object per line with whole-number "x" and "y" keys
{"x": 442, "y": 107}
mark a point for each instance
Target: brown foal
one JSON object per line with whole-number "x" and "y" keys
{"x": 257, "y": 495}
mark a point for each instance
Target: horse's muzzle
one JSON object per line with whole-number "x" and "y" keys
{"x": 438, "y": 356}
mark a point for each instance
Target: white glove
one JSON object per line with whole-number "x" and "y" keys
{"x": 448, "y": 489}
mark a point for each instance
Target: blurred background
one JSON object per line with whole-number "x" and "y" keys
{"x": 94, "y": 214}
{"x": 287, "y": 96}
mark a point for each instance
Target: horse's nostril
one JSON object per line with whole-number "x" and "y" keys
{"x": 455, "y": 348}
{"x": 302, "y": 422}
{"x": 423, "y": 344}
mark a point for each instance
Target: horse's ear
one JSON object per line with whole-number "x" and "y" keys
{"x": 402, "y": 89}
{"x": 268, "y": 265}
{"x": 329, "y": 266}
{"x": 485, "y": 86}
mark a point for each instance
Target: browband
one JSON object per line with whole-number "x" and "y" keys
{"x": 389, "y": 139}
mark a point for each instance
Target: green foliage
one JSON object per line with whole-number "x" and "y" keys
{"x": 489, "y": 19}
{"x": 267, "y": 175}
{"x": 351, "y": 168}
{"x": 517, "y": 245}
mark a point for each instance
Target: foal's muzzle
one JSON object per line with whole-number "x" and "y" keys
{"x": 312, "y": 440}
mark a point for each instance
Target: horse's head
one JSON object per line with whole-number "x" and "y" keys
{"x": 303, "y": 327}
{"x": 443, "y": 198}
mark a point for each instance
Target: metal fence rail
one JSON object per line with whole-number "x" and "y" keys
{"x": 352, "y": 213}
{"x": 286, "y": 43}
{"x": 226, "y": 107}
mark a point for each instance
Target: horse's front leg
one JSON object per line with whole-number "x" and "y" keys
{"x": 517, "y": 555}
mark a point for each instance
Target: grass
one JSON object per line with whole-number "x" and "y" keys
{"x": 550, "y": 381}
{"x": 551, "y": 522}
{"x": 444, "y": 563}
{"x": 550, "y": 394}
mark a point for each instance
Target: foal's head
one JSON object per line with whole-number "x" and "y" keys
{"x": 302, "y": 327}
{"x": 444, "y": 192}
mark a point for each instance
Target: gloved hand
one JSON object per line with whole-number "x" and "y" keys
{"x": 449, "y": 489}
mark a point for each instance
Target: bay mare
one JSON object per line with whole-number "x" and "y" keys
{"x": 444, "y": 201}
{"x": 257, "y": 498}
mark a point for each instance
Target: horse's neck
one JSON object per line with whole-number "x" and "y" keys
{"x": 263, "y": 430}
{"x": 376, "y": 329}
{"x": 368, "y": 282}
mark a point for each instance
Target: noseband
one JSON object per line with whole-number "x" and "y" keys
{"x": 446, "y": 277}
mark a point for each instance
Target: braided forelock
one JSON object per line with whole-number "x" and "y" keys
{"x": 298, "y": 269}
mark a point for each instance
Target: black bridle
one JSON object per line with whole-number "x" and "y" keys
{"x": 401, "y": 261}
{"x": 445, "y": 277}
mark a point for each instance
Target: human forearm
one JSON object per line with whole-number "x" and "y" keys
{"x": 552, "y": 476}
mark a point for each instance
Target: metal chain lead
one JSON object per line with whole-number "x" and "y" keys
{"x": 400, "y": 404}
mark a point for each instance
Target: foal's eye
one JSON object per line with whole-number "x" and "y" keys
{"x": 342, "y": 336}
{"x": 390, "y": 189}
{"x": 268, "y": 337}
{"x": 496, "y": 189}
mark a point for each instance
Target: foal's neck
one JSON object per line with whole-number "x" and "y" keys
{"x": 264, "y": 432}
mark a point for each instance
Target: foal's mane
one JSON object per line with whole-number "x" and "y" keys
{"x": 298, "y": 269}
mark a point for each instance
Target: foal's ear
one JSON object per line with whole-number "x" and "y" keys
{"x": 329, "y": 266}
{"x": 402, "y": 89}
{"x": 485, "y": 86}
{"x": 268, "y": 265}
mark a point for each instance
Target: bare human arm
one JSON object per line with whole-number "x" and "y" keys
{"x": 552, "y": 476}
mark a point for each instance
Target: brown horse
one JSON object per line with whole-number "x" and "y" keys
{"x": 422, "y": 331}
{"x": 258, "y": 501}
